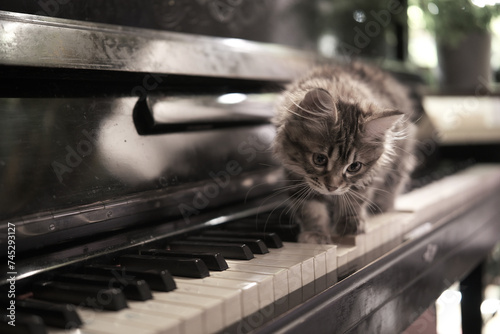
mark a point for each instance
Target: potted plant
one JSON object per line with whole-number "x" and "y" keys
{"x": 461, "y": 29}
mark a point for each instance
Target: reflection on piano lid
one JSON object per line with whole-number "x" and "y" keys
{"x": 166, "y": 114}
{"x": 246, "y": 19}
{"x": 207, "y": 100}
{"x": 45, "y": 42}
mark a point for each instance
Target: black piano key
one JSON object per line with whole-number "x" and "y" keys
{"x": 271, "y": 239}
{"x": 159, "y": 280}
{"x": 24, "y": 324}
{"x": 229, "y": 250}
{"x": 134, "y": 289}
{"x": 287, "y": 232}
{"x": 281, "y": 216}
{"x": 257, "y": 246}
{"x": 56, "y": 315}
{"x": 195, "y": 268}
{"x": 214, "y": 261}
{"x": 91, "y": 296}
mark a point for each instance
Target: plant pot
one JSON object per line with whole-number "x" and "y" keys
{"x": 465, "y": 67}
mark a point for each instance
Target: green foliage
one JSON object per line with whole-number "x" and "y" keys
{"x": 337, "y": 15}
{"x": 456, "y": 18}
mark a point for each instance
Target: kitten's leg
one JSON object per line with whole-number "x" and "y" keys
{"x": 314, "y": 223}
{"x": 384, "y": 192}
{"x": 352, "y": 221}
{"x": 396, "y": 175}
{"x": 382, "y": 199}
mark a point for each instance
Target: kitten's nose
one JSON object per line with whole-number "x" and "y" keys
{"x": 331, "y": 188}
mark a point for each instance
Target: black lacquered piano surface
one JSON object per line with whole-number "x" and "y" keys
{"x": 139, "y": 179}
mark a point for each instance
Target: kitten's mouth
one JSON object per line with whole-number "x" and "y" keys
{"x": 323, "y": 190}
{"x": 337, "y": 192}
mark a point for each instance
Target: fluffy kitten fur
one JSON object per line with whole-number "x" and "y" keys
{"x": 344, "y": 135}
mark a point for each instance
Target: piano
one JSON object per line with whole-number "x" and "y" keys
{"x": 138, "y": 193}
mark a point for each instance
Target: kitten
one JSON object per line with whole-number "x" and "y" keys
{"x": 345, "y": 137}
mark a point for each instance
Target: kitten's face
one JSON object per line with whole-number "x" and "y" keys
{"x": 333, "y": 146}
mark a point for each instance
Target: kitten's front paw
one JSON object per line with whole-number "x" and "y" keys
{"x": 350, "y": 225}
{"x": 313, "y": 237}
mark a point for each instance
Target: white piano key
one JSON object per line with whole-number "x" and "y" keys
{"x": 265, "y": 283}
{"x": 127, "y": 321}
{"x": 318, "y": 251}
{"x": 331, "y": 258}
{"x": 397, "y": 223}
{"x": 231, "y": 299}
{"x": 248, "y": 290}
{"x": 358, "y": 243}
{"x": 213, "y": 307}
{"x": 373, "y": 237}
{"x": 329, "y": 251}
{"x": 279, "y": 275}
{"x": 384, "y": 232}
{"x": 190, "y": 318}
{"x": 331, "y": 264}
{"x": 306, "y": 262}
{"x": 442, "y": 197}
{"x": 294, "y": 270}
{"x": 386, "y": 237}
{"x": 342, "y": 259}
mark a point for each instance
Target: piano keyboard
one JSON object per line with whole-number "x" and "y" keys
{"x": 140, "y": 296}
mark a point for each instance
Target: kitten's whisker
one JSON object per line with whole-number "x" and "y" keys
{"x": 267, "y": 197}
{"x": 299, "y": 202}
{"x": 288, "y": 186}
{"x": 351, "y": 206}
{"x": 362, "y": 197}
{"x": 380, "y": 190}
{"x": 274, "y": 194}
{"x": 388, "y": 168}
{"x": 272, "y": 211}
{"x": 267, "y": 165}
{"x": 302, "y": 108}
{"x": 403, "y": 150}
{"x": 297, "y": 195}
{"x": 291, "y": 186}
{"x": 368, "y": 201}
{"x": 343, "y": 209}
{"x": 299, "y": 115}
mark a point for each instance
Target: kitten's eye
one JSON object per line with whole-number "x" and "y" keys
{"x": 319, "y": 159}
{"x": 354, "y": 167}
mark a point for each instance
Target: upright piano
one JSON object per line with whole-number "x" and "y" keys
{"x": 138, "y": 192}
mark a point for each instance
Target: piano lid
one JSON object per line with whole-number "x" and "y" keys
{"x": 269, "y": 21}
{"x": 38, "y": 41}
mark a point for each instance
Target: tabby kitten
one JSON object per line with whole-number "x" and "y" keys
{"x": 344, "y": 136}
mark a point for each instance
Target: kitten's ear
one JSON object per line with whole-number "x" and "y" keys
{"x": 377, "y": 124}
{"x": 317, "y": 100}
